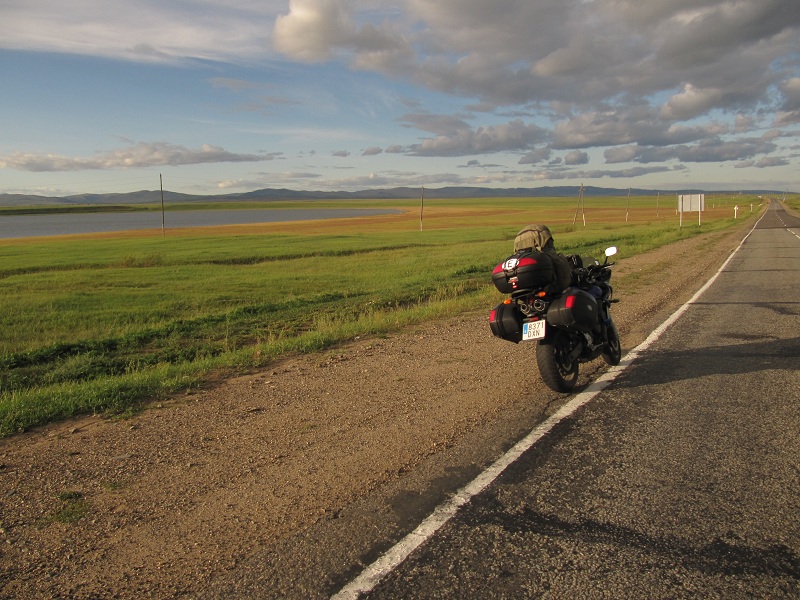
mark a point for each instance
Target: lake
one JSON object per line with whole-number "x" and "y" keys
{"x": 17, "y": 226}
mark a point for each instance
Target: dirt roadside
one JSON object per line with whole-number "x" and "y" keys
{"x": 282, "y": 483}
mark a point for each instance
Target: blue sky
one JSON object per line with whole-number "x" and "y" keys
{"x": 224, "y": 96}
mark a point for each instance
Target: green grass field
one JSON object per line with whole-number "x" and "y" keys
{"x": 101, "y": 324}
{"x": 793, "y": 202}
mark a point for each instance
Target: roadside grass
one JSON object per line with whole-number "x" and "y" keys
{"x": 793, "y": 201}
{"x": 103, "y": 324}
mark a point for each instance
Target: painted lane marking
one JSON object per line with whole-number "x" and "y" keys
{"x": 375, "y": 572}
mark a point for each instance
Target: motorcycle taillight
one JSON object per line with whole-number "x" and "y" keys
{"x": 527, "y": 261}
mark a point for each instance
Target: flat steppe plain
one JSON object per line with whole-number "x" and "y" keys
{"x": 284, "y": 482}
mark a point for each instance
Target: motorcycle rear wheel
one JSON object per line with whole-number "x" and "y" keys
{"x": 612, "y": 350}
{"x": 556, "y": 372}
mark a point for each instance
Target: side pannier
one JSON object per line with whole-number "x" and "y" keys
{"x": 505, "y": 320}
{"x": 575, "y": 309}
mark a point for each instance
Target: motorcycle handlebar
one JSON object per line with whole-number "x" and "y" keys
{"x": 590, "y": 273}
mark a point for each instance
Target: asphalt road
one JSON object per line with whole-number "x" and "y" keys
{"x": 681, "y": 479}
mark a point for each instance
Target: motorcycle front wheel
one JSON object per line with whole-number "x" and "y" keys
{"x": 557, "y": 372}
{"x": 612, "y": 350}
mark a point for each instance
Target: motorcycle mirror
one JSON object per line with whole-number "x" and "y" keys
{"x": 611, "y": 251}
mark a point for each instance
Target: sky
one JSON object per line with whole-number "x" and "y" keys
{"x": 226, "y": 96}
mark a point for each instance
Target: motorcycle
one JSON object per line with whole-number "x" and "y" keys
{"x": 569, "y": 326}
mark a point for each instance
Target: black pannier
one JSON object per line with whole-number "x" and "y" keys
{"x": 506, "y": 322}
{"x": 575, "y": 309}
{"x": 523, "y": 271}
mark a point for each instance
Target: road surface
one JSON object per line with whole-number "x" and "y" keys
{"x": 681, "y": 479}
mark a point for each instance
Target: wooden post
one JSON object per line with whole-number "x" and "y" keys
{"x": 421, "y": 204}
{"x": 161, "y": 182}
{"x": 580, "y": 207}
{"x": 583, "y": 206}
{"x": 627, "y": 205}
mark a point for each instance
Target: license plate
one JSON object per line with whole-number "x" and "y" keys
{"x": 533, "y": 330}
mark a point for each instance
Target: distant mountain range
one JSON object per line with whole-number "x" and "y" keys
{"x": 266, "y": 195}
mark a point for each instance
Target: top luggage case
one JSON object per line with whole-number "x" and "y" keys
{"x": 523, "y": 271}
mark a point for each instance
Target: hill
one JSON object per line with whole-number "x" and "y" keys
{"x": 270, "y": 194}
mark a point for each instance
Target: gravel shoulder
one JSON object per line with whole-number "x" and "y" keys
{"x": 283, "y": 482}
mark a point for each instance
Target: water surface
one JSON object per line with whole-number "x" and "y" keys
{"x": 17, "y": 226}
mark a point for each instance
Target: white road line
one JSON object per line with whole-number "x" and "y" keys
{"x": 374, "y": 573}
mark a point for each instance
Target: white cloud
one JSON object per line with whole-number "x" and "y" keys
{"x": 607, "y": 128}
{"x": 786, "y": 118}
{"x": 576, "y": 157}
{"x": 626, "y": 125}
{"x": 673, "y": 80}
{"x": 316, "y": 30}
{"x": 535, "y": 156}
{"x": 556, "y": 174}
{"x": 312, "y": 29}
{"x": 690, "y": 102}
{"x": 136, "y": 155}
{"x": 456, "y": 138}
{"x": 790, "y": 109}
{"x": 717, "y": 150}
{"x": 437, "y": 124}
{"x": 708, "y": 150}
{"x": 744, "y": 123}
{"x": 502, "y": 53}
{"x": 791, "y": 93}
{"x": 621, "y": 154}
{"x": 718, "y": 55}
{"x": 143, "y": 31}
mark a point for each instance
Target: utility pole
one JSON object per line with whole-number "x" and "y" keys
{"x": 421, "y": 204}
{"x": 627, "y": 205}
{"x": 161, "y": 182}
{"x": 581, "y": 206}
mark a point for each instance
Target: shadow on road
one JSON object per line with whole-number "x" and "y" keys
{"x": 753, "y": 354}
{"x": 730, "y": 557}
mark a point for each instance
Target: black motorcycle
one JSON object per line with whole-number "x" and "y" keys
{"x": 570, "y": 326}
